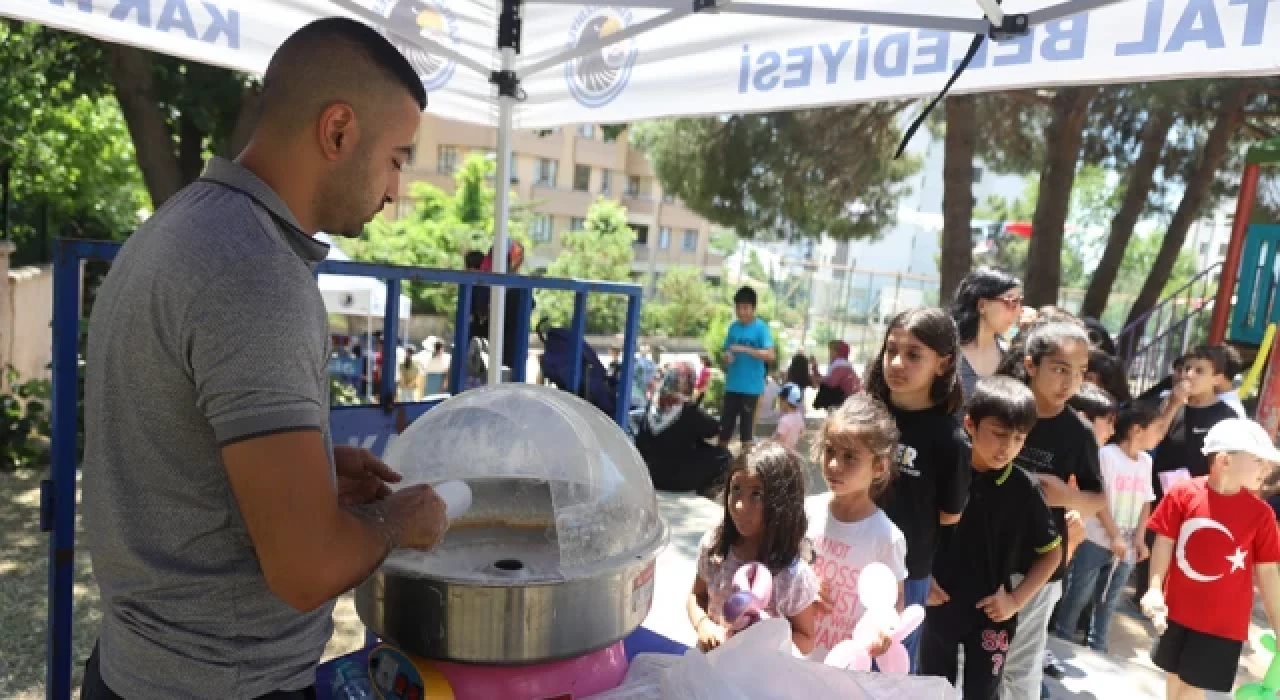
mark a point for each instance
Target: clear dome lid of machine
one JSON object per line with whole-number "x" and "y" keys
{"x": 558, "y": 491}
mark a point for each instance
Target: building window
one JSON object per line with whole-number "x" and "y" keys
{"x": 609, "y": 137}
{"x": 447, "y": 160}
{"x": 582, "y": 177}
{"x": 546, "y": 175}
{"x": 977, "y": 174}
{"x": 633, "y": 186}
{"x": 1204, "y": 248}
{"x": 642, "y": 233}
{"x": 587, "y": 131}
{"x": 605, "y": 185}
{"x": 690, "y": 244}
{"x": 577, "y": 223}
{"x": 1222, "y": 250}
{"x": 664, "y": 238}
{"x": 541, "y": 229}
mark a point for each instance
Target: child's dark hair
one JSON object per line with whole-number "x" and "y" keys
{"x": 935, "y": 329}
{"x": 1235, "y": 365}
{"x": 1140, "y": 415}
{"x": 1099, "y": 336}
{"x": 1093, "y": 401}
{"x": 1215, "y": 355}
{"x": 1005, "y": 400}
{"x": 782, "y": 475}
{"x": 863, "y": 419}
{"x": 745, "y": 295}
{"x": 1043, "y": 340}
{"x": 1111, "y": 375}
{"x": 983, "y": 283}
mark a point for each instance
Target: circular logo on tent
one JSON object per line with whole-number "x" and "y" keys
{"x": 429, "y": 19}
{"x": 597, "y": 77}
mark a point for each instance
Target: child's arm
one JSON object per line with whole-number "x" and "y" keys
{"x": 710, "y": 635}
{"x": 1119, "y": 546}
{"x": 1057, "y": 494}
{"x": 1153, "y": 601}
{"x": 1269, "y": 582}
{"x": 1002, "y": 605}
{"x": 802, "y": 629}
{"x": 1140, "y": 549}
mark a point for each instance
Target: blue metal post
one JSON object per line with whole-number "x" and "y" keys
{"x": 579, "y": 333}
{"x": 66, "y": 337}
{"x": 628, "y": 359}
{"x": 520, "y": 342}
{"x": 390, "y": 341}
{"x": 461, "y": 340}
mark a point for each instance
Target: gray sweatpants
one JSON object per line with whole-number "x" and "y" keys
{"x": 1024, "y": 664}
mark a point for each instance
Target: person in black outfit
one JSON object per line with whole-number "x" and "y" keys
{"x": 479, "y": 320}
{"x": 673, "y": 438}
{"x": 973, "y": 603}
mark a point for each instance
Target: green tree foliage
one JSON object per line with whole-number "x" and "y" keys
{"x": 602, "y": 250}
{"x": 71, "y": 163}
{"x": 802, "y": 173}
{"x": 440, "y": 230}
{"x": 684, "y": 305}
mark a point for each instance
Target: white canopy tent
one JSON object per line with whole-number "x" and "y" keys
{"x": 540, "y": 63}
{"x": 349, "y": 295}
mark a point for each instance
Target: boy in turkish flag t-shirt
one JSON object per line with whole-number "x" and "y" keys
{"x": 1214, "y": 532}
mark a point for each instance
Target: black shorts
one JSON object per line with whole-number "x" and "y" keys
{"x": 1200, "y": 660}
{"x": 738, "y": 409}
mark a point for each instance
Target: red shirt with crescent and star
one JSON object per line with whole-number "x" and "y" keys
{"x": 1217, "y": 541}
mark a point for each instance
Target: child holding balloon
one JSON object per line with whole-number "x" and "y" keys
{"x": 849, "y": 531}
{"x": 764, "y": 522}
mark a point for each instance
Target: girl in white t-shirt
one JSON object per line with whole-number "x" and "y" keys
{"x": 1096, "y": 575}
{"x": 848, "y": 530}
{"x": 791, "y": 408}
{"x": 764, "y": 521}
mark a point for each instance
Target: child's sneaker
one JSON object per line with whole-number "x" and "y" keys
{"x": 1052, "y": 667}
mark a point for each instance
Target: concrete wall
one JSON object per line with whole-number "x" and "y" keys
{"x": 26, "y": 309}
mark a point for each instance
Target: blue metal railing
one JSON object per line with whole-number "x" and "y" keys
{"x": 1149, "y": 344}
{"x": 368, "y": 425}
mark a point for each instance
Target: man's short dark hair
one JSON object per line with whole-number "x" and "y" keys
{"x": 1093, "y": 401}
{"x": 326, "y": 56}
{"x": 745, "y": 295}
{"x": 1005, "y": 399}
{"x": 1215, "y": 355}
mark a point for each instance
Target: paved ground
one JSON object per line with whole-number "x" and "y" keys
{"x": 23, "y": 580}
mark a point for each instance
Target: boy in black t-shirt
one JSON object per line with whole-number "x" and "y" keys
{"x": 1007, "y": 523}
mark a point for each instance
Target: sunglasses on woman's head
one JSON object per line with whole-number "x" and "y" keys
{"x": 1011, "y": 302}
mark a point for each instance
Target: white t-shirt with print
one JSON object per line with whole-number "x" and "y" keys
{"x": 841, "y": 551}
{"x": 1127, "y": 483}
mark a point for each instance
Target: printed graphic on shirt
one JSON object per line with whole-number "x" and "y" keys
{"x": 832, "y": 567}
{"x": 1191, "y": 527}
{"x": 904, "y": 456}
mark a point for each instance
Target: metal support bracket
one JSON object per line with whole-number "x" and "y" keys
{"x": 1010, "y": 27}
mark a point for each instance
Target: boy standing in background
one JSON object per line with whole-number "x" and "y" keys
{"x": 748, "y": 346}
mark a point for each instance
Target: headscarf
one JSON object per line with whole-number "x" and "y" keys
{"x": 673, "y": 394}
{"x": 515, "y": 258}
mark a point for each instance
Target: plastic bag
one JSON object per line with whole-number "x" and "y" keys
{"x": 760, "y": 664}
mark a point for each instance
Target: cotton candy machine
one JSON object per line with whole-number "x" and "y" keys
{"x": 551, "y": 566}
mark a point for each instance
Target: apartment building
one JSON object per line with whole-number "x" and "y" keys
{"x": 558, "y": 174}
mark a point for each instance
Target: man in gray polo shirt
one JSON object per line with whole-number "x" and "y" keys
{"x": 221, "y": 521}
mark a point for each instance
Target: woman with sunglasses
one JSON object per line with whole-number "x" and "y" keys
{"x": 987, "y": 304}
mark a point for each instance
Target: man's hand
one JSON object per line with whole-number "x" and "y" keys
{"x": 362, "y": 477}
{"x": 1153, "y": 606}
{"x": 417, "y": 517}
{"x": 999, "y": 606}
{"x": 937, "y": 596}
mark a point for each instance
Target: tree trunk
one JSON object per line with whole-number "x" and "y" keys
{"x": 957, "y": 196}
{"x": 1155, "y": 133}
{"x": 135, "y": 89}
{"x": 1062, "y": 152}
{"x": 1194, "y": 195}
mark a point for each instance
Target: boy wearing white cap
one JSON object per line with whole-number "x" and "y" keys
{"x": 1216, "y": 531}
{"x": 791, "y": 424}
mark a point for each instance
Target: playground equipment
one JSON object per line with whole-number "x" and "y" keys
{"x": 371, "y": 426}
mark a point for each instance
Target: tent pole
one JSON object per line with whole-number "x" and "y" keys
{"x": 509, "y": 91}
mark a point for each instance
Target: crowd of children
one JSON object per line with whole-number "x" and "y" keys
{"x": 1014, "y": 509}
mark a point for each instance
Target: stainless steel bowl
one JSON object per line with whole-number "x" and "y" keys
{"x": 494, "y": 593}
